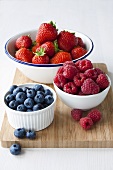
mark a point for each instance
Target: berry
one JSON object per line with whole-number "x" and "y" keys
{"x": 47, "y": 92}
{"x": 9, "y": 98}
{"x": 38, "y": 106}
{"x": 70, "y": 71}
{"x": 86, "y": 123}
{"x": 48, "y": 99}
{"x": 78, "y": 52}
{"x": 76, "y": 114}
{"x": 13, "y": 104}
{"x": 29, "y": 110}
{"x": 23, "y": 42}
{"x": 35, "y": 47}
{"x": 60, "y": 70}
{"x": 95, "y": 115}
{"x": 20, "y": 133}
{"x": 17, "y": 90}
{"x": 31, "y": 93}
{"x": 24, "y": 54}
{"x": 21, "y": 108}
{"x": 29, "y": 102}
{"x": 38, "y": 87}
{"x": 70, "y": 88}
{"x": 79, "y": 79}
{"x": 31, "y": 134}
{"x": 20, "y": 97}
{"x": 89, "y": 87}
{"x": 40, "y": 92}
{"x": 91, "y": 73}
{"x": 39, "y": 98}
{"x": 66, "y": 41}
{"x": 102, "y": 81}
{"x": 60, "y": 80}
{"x": 46, "y": 32}
{"x": 15, "y": 149}
{"x": 12, "y": 88}
{"x": 69, "y": 63}
{"x": 25, "y": 89}
{"x": 99, "y": 71}
{"x": 80, "y": 42}
{"x": 60, "y": 57}
{"x": 83, "y": 65}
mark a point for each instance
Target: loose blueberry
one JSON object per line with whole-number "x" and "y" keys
{"x": 39, "y": 98}
{"x": 20, "y": 133}
{"x": 13, "y": 104}
{"x": 38, "y": 106}
{"x": 29, "y": 110}
{"x": 31, "y": 93}
{"x": 9, "y": 98}
{"x": 31, "y": 134}
{"x": 38, "y": 87}
{"x": 20, "y": 97}
{"x": 15, "y": 149}
{"x": 12, "y": 88}
{"x": 29, "y": 102}
{"x": 21, "y": 108}
{"x": 48, "y": 92}
{"x": 48, "y": 99}
{"x": 18, "y": 89}
{"x": 41, "y": 92}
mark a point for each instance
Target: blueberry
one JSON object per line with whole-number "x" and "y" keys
{"x": 13, "y": 104}
{"x": 12, "y": 88}
{"x": 15, "y": 149}
{"x": 45, "y": 105}
{"x": 9, "y": 98}
{"x": 31, "y": 134}
{"x": 38, "y": 106}
{"x": 39, "y": 98}
{"x": 41, "y": 92}
{"x": 31, "y": 93}
{"x": 48, "y": 99}
{"x": 47, "y": 92}
{"x": 20, "y": 97}
{"x": 20, "y": 133}
{"x": 18, "y": 89}
{"x": 38, "y": 87}
{"x": 29, "y": 110}
{"x": 24, "y": 89}
{"x": 29, "y": 102}
{"x": 21, "y": 108}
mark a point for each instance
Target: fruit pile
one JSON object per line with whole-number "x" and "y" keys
{"x": 81, "y": 78}
{"x": 50, "y": 46}
{"x": 28, "y": 99}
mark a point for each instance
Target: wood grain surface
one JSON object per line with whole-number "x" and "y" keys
{"x": 64, "y": 132}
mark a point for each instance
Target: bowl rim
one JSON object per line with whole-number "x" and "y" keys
{"x": 45, "y": 65}
{"x": 32, "y": 112}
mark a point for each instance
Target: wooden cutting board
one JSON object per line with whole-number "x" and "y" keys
{"x": 64, "y": 132}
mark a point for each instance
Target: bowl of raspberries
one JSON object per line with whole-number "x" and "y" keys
{"x": 39, "y": 53}
{"x": 79, "y": 85}
{"x": 30, "y": 106}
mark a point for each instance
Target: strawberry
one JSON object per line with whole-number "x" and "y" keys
{"x": 66, "y": 41}
{"x": 40, "y": 57}
{"x": 80, "y": 42}
{"x": 46, "y": 32}
{"x": 34, "y": 48}
{"x": 24, "y": 54}
{"x": 78, "y": 52}
{"x": 60, "y": 57}
{"x": 23, "y": 41}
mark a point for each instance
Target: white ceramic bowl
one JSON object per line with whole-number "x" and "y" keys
{"x": 82, "y": 102}
{"x": 43, "y": 73}
{"x": 35, "y": 120}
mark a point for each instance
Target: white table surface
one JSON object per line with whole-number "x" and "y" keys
{"x": 94, "y": 18}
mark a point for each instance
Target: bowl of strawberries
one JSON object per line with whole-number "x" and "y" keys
{"x": 39, "y": 53}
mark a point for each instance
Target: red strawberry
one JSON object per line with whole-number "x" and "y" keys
{"x": 23, "y": 41}
{"x": 61, "y": 57}
{"x": 34, "y": 48}
{"x": 66, "y": 41}
{"x": 78, "y": 52}
{"x": 80, "y": 42}
{"x": 24, "y": 54}
{"x": 40, "y": 57}
{"x": 46, "y": 32}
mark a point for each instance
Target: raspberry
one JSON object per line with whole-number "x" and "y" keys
{"x": 99, "y": 71}
{"x": 69, "y": 63}
{"x": 80, "y": 42}
{"x": 86, "y": 123}
{"x": 79, "y": 79}
{"x": 76, "y": 114}
{"x": 70, "y": 71}
{"x": 84, "y": 65}
{"x": 91, "y": 73}
{"x": 60, "y": 80}
{"x": 90, "y": 87}
{"x": 60, "y": 70}
{"x": 95, "y": 115}
{"x": 102, "y": 81}
{"x": 70, "y": 88}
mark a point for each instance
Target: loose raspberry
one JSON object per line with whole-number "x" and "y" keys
{"x": 60, "y": 80}
{"x": 70, "y": 88}
{"x": 99, "y": 71}
{"x": 102, "y": 81}
{"x": 76, "y": 114}
{"x": 90, "y": 87}
{"x": 95, "y": 115}
{"x": 69, "y": 63}
{"x": 91, "y": 73}
{"x": 84, "y": 65}
{"x": 79, "y": 79}
{"x": 70, "y": 71}
{"x": 86, "y": 123}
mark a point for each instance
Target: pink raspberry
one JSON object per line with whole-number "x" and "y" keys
{"x": 99, "y": 71}
{"x": 60, "y": 70}
{"x": 70, "y": 88}
{"x": 79, "y": 79}
{"x": 86, "y": 123}
{"x": 70, "y": 71}
{"x": 95, "y": 115}
{"x": 84, "y": 65}
{"x": 69, "y": 63}
{"x": 76, "y": 114}
{"x": 91, "y": 73}
{"x": 60, "y": 80}
{"x": 90, "y": 87}
{"x": 102, "y": 81}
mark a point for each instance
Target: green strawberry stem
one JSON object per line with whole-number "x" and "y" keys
{"x": 41, "y": 52}
{"x": 33, "y": 43}
{"x": 56, "y": 46}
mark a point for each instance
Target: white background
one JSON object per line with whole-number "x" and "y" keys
{"x": 92, "y": 17}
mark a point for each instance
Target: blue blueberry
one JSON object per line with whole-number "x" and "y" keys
{"x": 24, "y": 89}
{"x": 15, "y": 149}
{"x": 31, "y": 93}
{"x": 18, "y": 89}
{"x": 29, "y": 102}
{"x": 20, "y": 133}
{"x": 21, "y": 108}
{"x": 49, "y": 99}
{"x": 38, "y": 87}
{"x": 45, "y": 105}
{"x": 39, "y": 98}
{"x": 31, "y": 134}
{"x": 12, "y": 88}
{"x": 13, "y": 104}
{"x": 41, "y": 92}
{"x": 29, "y": 110}
{"x": 9, "y": 98}
{"x": 38, "y": 106}
{"x": 47, "y": 92}
{"x": 20, "y": 97}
